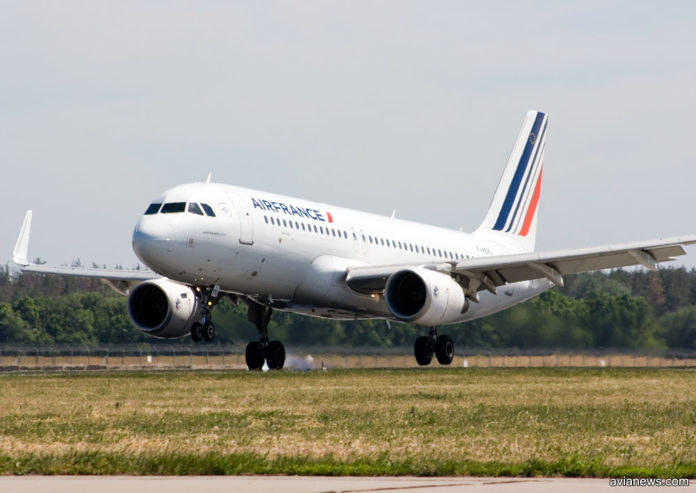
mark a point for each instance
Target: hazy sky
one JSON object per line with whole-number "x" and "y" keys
{"x": 374, "y": 105}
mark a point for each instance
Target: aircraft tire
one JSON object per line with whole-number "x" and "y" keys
{"x": 444, "y": 349}
{"x": 423, "y": 351}
{"x": 275, "y": 355}
{"x": 209, "y": 331}
{"x": 255, "y": 355}
{"x": 196, "y": 332}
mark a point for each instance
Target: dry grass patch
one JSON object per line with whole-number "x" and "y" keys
{"x": 403, "y": 421}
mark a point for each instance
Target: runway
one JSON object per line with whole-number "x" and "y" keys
{"x": 304, "y": 484}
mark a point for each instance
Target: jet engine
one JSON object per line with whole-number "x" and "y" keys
{"x": 163, "y": 308}
{"x": 424, "y": 297}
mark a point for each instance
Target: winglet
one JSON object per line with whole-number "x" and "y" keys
{"x": 20, "y": 253}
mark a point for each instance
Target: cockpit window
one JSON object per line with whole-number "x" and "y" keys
{"x": 208, "y": 210}
{"x": 153, "y": 209}
{"x": 193, "y": 208}
{"x": 173, "y": 207}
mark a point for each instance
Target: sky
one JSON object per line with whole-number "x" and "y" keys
{"x": 372, "y": 105}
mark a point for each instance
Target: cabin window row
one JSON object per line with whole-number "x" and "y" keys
{"x": 425, "y": 250}
{"x": 386, "y": 242}
{"x": 308, "y": 227}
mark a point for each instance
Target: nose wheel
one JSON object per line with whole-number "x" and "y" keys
{"x": 205, "y": 329}
{"x": 202, "y": 332}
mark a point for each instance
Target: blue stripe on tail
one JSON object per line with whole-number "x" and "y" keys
{"x": 517, "y": 178}
{"x": 530, "y": 175}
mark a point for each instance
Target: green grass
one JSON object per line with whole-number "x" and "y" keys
{"x": 497, "y": 422}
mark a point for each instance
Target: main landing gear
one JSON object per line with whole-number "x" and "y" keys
{"x": 272, "y": 352}
{"x": 441, "y": 345}
{"x": 205, "y": 329}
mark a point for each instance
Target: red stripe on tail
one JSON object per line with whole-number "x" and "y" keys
{"x": 532, "y": 206}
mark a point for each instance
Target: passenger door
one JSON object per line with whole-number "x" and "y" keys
{"x": 246, "y": 223}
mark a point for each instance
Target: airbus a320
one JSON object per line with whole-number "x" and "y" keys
{"x": 207, "y": 241}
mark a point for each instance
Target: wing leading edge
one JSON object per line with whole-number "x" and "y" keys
{"x": 491, "y": 272}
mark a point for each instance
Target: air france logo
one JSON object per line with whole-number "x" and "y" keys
{"x": 291, "y": 210}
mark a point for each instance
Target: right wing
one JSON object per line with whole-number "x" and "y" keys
{"x": 121, "y": 280}
{"x": 488, "y": 273}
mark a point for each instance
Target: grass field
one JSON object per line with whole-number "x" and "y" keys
{"x": 553, "y": 421}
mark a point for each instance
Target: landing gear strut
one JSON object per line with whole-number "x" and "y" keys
{"x": 442, "y": 346}
{"x": 205, "y": 330}
{"x": 272, "y": 352}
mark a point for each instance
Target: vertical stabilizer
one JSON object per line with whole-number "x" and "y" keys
{"x": 512, "y": 215}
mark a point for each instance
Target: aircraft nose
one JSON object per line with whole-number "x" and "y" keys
{"x": 153, "y": 238}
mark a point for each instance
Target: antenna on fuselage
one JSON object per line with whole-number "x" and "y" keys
{"x": 393, "y": 214}
{"x": 207, "y": 180}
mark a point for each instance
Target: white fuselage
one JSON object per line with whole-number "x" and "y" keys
{"x": 293, "y": 253}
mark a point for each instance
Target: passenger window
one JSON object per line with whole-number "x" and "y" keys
{"x": 265, "y": 218}
{"x": 173, "y": 207}
{"x": 285, "y": 223}
{"x": 333, "y": 232}
{"x": 208, "y": 210}
{"x": 315, "y": 229}
{"x": 272, "y": 221}
{"x": 153, "y": 209}
{"x": 303, "y": 227}
{"x": 297, "y": 225}
{"x": 290, "y": 224}
{"x": 194, "y": 209}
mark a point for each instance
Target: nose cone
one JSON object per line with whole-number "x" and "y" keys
{"x": 153, "y": 241}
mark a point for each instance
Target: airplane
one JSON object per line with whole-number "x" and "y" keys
{"x": 207, "y": 241}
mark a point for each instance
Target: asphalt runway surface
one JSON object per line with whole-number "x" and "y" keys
{"x": 304, "y": 484}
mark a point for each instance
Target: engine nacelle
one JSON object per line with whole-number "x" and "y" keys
{"x": 163, "y": 308}
{"x": 425, "y": 297}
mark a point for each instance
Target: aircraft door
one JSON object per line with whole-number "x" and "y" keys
{"x": 246, "y": 224}
{"x": 356, "y": 243}
{"x": 363, "y": 241}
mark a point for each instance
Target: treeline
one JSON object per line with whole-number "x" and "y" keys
{"x": 634, "y": 310}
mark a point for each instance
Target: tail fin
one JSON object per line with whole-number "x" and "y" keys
{"x": 512, "y": 215}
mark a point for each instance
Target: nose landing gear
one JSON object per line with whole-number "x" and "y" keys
{"x": 205, "y": 329}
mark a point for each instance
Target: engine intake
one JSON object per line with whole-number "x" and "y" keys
{"x": 163, "y": 308}
{"x": 425, "y": 297}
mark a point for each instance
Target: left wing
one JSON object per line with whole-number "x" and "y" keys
{"x": 491, "y": 272}
{"x": 120, "y": 280}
